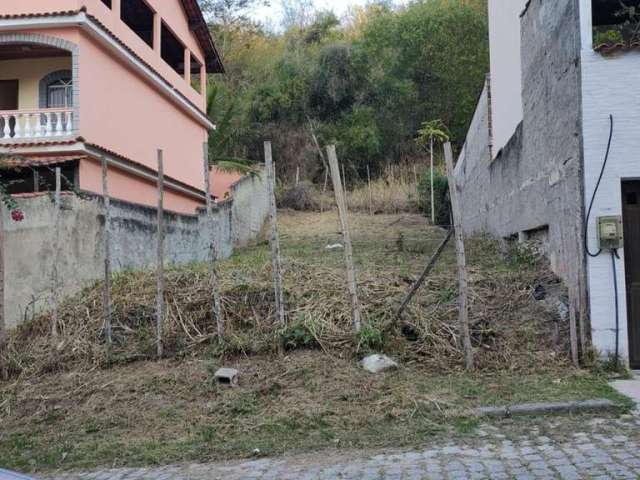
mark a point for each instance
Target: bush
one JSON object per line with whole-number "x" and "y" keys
{"x": 301, "y": 197}
{"x": 441, "y": 189}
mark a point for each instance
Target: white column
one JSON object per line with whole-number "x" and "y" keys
{"x": 69, "y": 116}
{"x": 48, "y": 127}
{"x": 7, "y": 128}
{"x": 17, "y": 129}
{"x": 59, "y": 126}
{"x": 27, "y": 125}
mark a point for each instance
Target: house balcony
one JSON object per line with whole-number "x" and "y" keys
{"x": 20, "y": 126}
{"x": 38, "y": 93}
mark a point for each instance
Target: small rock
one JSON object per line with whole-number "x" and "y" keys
{"x": 227, "y": 376}
{"x": 539, "y": 292}
{"x": 378, "y": 363}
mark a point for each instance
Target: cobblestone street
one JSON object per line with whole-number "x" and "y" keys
{"x": 563, "y": 448}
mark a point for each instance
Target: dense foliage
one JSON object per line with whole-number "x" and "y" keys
{"x": 366, "y": 82}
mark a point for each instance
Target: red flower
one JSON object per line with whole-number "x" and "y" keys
{"x": 17, "y": 215}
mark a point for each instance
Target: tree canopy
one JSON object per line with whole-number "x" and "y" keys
{"x": 367, "y": 81}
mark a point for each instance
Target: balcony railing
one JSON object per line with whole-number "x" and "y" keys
{"x": 22, "y": 125}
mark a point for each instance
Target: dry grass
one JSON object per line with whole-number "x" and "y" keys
{"x": 74, "y": 403}
{"x": 155, "y": 413}
{"x": 510, "y": 329}
{"x": 395, "y": 191}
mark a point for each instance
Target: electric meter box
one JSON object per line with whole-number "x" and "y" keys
{"x": 610, "y": 234}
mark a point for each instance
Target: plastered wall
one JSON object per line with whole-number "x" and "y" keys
{"x": 29, "y": 246}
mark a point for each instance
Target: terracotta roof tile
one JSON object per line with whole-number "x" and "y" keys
{"x": 201, "y": 31}
{"x": 37, "y": 161}
{"x": 40, "y": 143}
{"x": 610, "y": 48}
{"x": 61, "y": 13}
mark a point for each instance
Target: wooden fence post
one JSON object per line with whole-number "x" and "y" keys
{"x": 348, "y": 248}
{"x": 216, "y": 307}
{"x": 56, "y": 255}
{"x": 160, "y": 261}
{"x": 107, "y": 252}
{"x": 2, "y": 237}
{"x": 276, "y": 261}
{"x": 463, "y": 299}
{"x": 433, "y": 196}
{"x": 370, "y": 191}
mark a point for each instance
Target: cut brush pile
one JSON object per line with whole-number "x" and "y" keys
{"x": 510, "y": 329}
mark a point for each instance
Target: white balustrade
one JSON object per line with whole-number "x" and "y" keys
{"x": 35, "y": 124}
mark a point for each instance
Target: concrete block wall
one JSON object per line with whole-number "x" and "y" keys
{"x": 29, "y": 251}
{"x": 535, "y": 182}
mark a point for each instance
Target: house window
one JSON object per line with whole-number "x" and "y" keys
{"x": 56, "y": 90}
{"x": 196, "y": 71}
{"x": 60, "y": 93}
{"x": 172, "y": 50}
{"x": 616, "y": 22}
{"x": 139, "y": 17}
{"x": 107, "y": 3}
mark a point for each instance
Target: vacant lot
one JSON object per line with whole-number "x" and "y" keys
{"x": 74, "y": 403}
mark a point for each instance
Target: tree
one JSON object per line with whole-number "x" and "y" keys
{"x": 226, "y": 17}
{"x": 432, "y": 131}
{"x": 220, "y": 139}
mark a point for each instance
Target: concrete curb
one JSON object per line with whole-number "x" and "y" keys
{"x": 545, "y": 408}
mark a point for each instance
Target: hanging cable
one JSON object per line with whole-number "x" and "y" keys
{"x": 614, "y": 255}
{"x": 595, "y": 191}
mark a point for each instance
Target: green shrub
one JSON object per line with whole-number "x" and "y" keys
{"x": 441, "y": 189}
{"x": 608, "y": 37}
{"x": 371, "y": 338}
{"x": 297, "y": 335}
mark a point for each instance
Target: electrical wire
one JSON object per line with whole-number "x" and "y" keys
{"x": 595, "y": 191}
{"x": 614, "y": 255}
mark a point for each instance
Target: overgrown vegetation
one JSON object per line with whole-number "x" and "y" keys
{"x": 510, "y": 330}
{"x": 74, "y": 403}
{"x": 366, "y": 82}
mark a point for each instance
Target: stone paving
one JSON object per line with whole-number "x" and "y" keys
{"x": 577, "y": 448}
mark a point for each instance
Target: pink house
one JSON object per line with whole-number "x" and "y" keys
{"x": 83, "y": 79}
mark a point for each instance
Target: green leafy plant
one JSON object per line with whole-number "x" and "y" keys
{"x": 432, "y": 133}
{"x": 440, "y": 195}
{"x": 371, "y": 337}
{"x": 297, "y": 335}
{"x": 221, "y": 139}
{"x": 608, "y": 37}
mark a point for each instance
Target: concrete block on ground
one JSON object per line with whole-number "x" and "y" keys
{"x": 227, "y": 376}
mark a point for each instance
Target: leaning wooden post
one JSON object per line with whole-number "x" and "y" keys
{"x": 216, "y": 307}
{"x": 370, "y": 191}
{"x": 425, "y": 273}
{"x": 348, "y": 248}
{"x": 56, "y": 256}
{"x": 160, "y": 260}
{"x": 2, "y": 241}
{"x": 461, "y": 259}
{"x": 276, "y": 261}
{"x": 107, "y": 252}
{"x": 433, "y": 196}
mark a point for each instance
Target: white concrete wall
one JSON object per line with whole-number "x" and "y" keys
{"x": 506, "y": 83}
{"x": 610, "y": 85}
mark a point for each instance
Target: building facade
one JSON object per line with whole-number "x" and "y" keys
{"x": 577, "y": 101}
{"x": 82, "y": 79}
